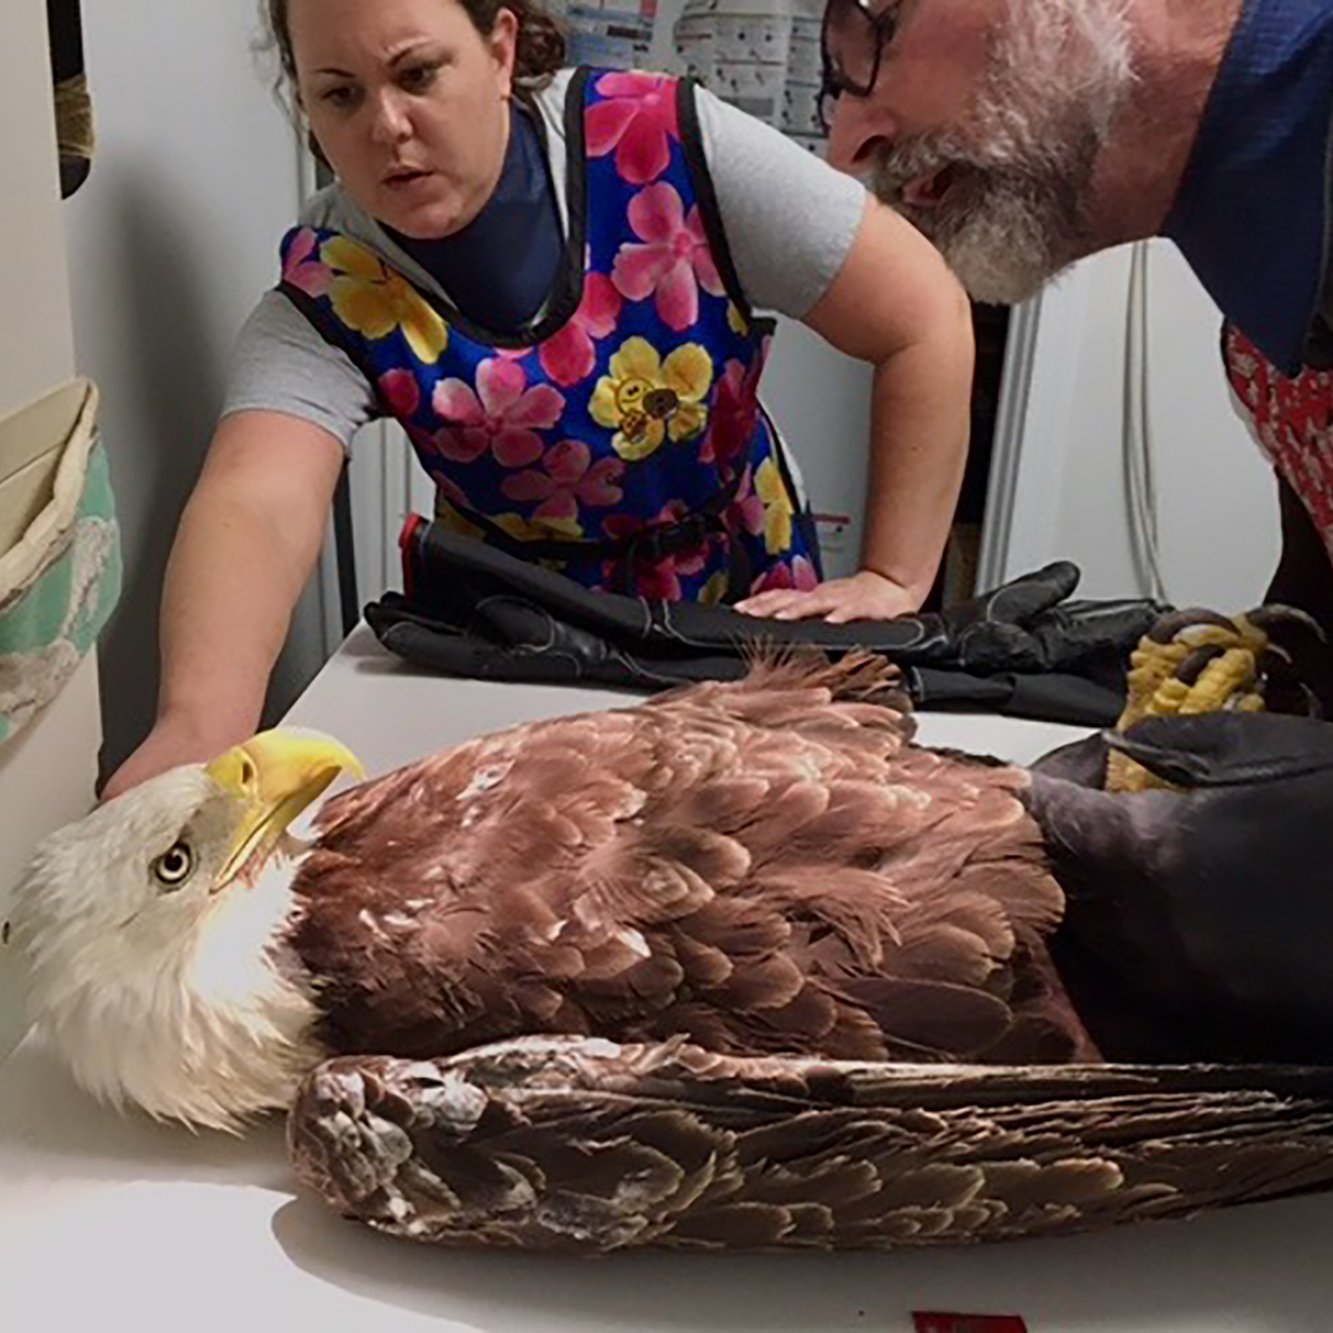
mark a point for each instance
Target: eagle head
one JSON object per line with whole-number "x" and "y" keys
{"x": 152, "y": 934}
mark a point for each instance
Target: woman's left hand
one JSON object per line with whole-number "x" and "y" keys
{"x": 864, "y": 596}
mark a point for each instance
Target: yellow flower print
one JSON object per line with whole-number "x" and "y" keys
{"x": 452, "y": 521}
{"x": 715, "y": 589}
{"x": 649, "y": 399}
{"x": 737, "y": 320}
{"x": 778, "y": 508}
{"x": 371, "y": 298}
{"x": 539, "y": 529}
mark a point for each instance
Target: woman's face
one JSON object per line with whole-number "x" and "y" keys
{"x": 409, "y": 103}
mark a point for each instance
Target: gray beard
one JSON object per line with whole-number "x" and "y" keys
{"x": 1023, "y": 159}
{"x": 1009, "y": 225}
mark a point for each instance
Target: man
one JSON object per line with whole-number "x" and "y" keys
{"x": 1022, "y": 135}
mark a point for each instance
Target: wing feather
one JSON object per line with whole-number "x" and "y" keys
{"x": 588, "y": 1146}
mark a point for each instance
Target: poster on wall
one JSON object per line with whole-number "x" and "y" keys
{"x": 760, "y": 55}
{"x": 610, "y": 34}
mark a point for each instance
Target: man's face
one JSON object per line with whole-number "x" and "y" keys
{"x": 984, "y": 128}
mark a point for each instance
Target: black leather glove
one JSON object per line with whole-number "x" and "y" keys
{"x": 1209, "y": 909}
{"x": 1022, "y": 649}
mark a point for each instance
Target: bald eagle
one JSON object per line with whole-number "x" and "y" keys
{"x": 762, "y": 867}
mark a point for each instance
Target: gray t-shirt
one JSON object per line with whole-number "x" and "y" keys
{"x": 789, "y": 220}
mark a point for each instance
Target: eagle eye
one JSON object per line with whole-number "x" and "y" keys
{"x": 174, "y": 866}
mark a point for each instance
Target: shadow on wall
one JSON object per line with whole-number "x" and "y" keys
{"x": 163, "y": 385}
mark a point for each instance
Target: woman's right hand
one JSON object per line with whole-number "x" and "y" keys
{"x": 172, "y": 742}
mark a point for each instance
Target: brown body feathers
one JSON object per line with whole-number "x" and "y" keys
{"x": 765, "y": 866}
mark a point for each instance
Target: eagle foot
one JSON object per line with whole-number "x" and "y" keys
{"x": 1196, "y": 661}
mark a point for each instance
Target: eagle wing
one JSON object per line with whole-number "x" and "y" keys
{"x": 567, "y": 1144}
{"x": 763, "y": 866}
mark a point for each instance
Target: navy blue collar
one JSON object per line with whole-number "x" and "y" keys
{"x": 500, "y": 269}
{"x": 1250, "y": 214}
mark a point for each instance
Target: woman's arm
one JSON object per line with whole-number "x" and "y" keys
{"x": 247, "y": 542}
{"x": 895, "y": 303}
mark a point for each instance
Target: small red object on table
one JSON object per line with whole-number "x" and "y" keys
{"x": 969, "y": 1323}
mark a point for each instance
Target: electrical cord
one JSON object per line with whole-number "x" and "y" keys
{"x": 1137, "y": 442}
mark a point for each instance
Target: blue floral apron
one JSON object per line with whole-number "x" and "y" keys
{"x": 619, "y": 438}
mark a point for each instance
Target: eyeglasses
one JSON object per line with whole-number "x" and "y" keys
{"x": 852, "y": 42}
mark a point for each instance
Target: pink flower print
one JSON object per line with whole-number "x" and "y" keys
{"x": 674, "y": 261}
{"x": 638, "y": 119}
{"x": 400, "y": 393}
{"x": 735, "y": 409}
{"x": 503, "y": 415}
{"x": 569, "y": 355}
{"x": 570, "y": 479}
{"x": 656, "y": 579}
{"x": 626, "y": 525}
{"x": 304, "y": 269}
{"x": 798, "y": 573}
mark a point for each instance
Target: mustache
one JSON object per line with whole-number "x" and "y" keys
{"x": 915, "y": 157}
{"x": 897, "y": 164}
{"x": 1051, "y": 183}
{"x": 1009, "y": 220}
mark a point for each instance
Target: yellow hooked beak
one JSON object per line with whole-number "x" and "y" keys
{"x": 275, "y": 775}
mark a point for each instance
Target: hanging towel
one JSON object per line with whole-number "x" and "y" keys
{"x": 60, "y": 562}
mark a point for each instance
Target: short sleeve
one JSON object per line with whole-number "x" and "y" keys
{"x": 281, "y": 364}
{"x": 790, "y": 218}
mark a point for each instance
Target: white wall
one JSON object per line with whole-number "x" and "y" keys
{"x": 1217, "y": 507}
{"x": 1218, "y": 521}
{"x": 47, "y": 770}
{"x": 171, "y": 240}
{"x": 36, "y": 346}
{"x": 820, "y": 402}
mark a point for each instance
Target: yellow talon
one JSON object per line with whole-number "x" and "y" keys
{"x": 1206, "y": 665}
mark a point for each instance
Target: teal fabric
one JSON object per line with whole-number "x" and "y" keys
{"x": 48, "y": 626}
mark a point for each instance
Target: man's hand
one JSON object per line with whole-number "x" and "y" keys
{"x": 864, "y": 596}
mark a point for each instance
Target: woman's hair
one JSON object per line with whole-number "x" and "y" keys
{"x": 541, "y": 44}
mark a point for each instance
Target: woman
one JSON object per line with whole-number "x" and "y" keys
{"x": 549, "y": 278}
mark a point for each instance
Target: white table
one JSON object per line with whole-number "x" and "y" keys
{"x": 104, "y": 1219}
